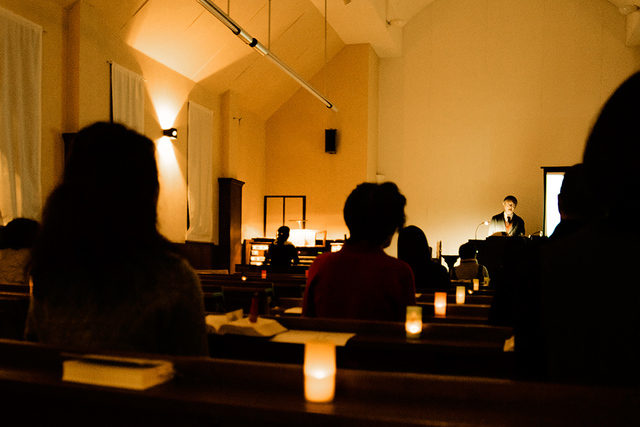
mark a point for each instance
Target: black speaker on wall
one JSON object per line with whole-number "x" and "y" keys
{"x": 330, "y": 141}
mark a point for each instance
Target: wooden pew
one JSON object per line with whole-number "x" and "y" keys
{"x": 17, "y": 288}
{"x": 459, "y": 313}
{"x": 474, "y": 314}
{"x": 14, "y": 306}
{"x": 225, "y": 298}
{"x": 443, "y": 348}
{"x": 293, "y": 289}
{"x": 451, "y": 298}
{"x": 13, "y": 314}
{"x": 273, "y": 277}
{"x": 213, "y": 392}
{"x": 284, "y": 305}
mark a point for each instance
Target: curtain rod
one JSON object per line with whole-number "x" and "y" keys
{"x": 256, "y": 45}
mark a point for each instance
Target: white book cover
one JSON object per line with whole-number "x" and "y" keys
{"x": 121, "y": 372}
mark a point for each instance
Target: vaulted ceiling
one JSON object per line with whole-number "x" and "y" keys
{"x": 185, "y": 37}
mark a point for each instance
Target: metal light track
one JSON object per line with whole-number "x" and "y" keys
{"x": 255, "y": 44}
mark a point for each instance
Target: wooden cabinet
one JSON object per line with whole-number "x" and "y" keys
{"x": 230, "y": 221}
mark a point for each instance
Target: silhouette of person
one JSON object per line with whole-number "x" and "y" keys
{"x": 104, "y": 278}
{"x": 589, "y": 330}
{"x": 577, "y": 208}
{"x": 413, "y": 248}
{"x": 507, "y": 223}
{"x": 282, "y": 253}
{"x": 469, "y": 268}
{"x": 18, "y": 238}
{"x": 361, "y": 281}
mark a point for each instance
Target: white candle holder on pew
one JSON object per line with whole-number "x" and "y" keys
{"x": 319, "y": 371}
{"x": 413, "y": 324}
{"x": 440, "y": 303}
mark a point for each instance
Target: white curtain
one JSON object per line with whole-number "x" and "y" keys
{"x": 200, "y": 174}
{"x": 20, "y": 117}
{"x": 127, "y": 98}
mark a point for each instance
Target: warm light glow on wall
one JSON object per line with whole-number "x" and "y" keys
{"x": 166, "y": 155}
{"x": 172, "y": 198}
{"x": 166, "y": 114}
{"x": 168, "y": 90}
{"x": 171, "y": 178}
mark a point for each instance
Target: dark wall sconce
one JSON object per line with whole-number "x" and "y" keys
{"x": 171, "y": 133}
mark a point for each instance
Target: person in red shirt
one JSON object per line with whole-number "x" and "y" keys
{"x": 361, "y": 281}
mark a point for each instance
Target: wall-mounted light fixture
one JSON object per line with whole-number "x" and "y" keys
{"x": 255, "y": 44}
{"x": 171, "y": 133}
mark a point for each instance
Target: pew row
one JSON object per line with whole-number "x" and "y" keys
{"x": 211, "y": 392}
{"x": 472, "y": 314}
{"x": 442, "y": 348}
{"x": 14, "y": 305}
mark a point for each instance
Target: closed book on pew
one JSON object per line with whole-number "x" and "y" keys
{"x": 121, "y": 372}
{"x": 233, "y": 323}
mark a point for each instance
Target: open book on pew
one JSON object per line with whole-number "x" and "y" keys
{"x": 121, "y": 372}
{"x": 234, "y": 323}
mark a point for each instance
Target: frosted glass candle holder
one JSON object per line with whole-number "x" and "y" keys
{"x": 461, "y": 292}
{"x": 440, "y": 303}
{"x": 319, "y": 371}
{"x": 413, "y": 325}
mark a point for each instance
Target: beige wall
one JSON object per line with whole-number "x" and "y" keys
{"x": 486, "y": 94}
{"x": 78, "y": 47}
{"x": 296, "y": 163}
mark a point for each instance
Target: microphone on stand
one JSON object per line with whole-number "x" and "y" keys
{"x": 482, "y": 223}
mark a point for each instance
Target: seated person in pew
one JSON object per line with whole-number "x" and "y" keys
{"x": 18, "y": 238}
{"x": 583, "y": 320}
{"x": 361, "y": 281}
{"x": 469, "y": 268}
{"x": 104, "y": 278}
{"x": 575, "y": 205}
{"x": 282, "y": 253}
{"x": 414, "y": 249}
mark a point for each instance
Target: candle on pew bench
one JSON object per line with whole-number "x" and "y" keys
{"x": 319, "y": 371}
{"x": 440, "y": 303}
{"x": 460, "y": 294}
{"x": 413, "y": 325}
{"x": 476, "y": 284}
{"x": 263, "y": 274}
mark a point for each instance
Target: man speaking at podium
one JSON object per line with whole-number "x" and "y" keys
{"x": 507, "y": 223}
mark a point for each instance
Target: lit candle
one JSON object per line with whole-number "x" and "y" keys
{"x": 319, "y": 371}
{"x": 460, "y": 294}
{"x": 413, "y": 324}
{"x": 476, "y": 284}
{"x": 440, "y": 303}
{"x": 244, "y": 278}
{"x": 264, "y": 274}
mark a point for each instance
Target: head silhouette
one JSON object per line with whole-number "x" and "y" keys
{"x": 283, "y": 234}
{"x": 102, "y": 217}
{"x": 373, "y": 212}
{"x": 413, "y": 246}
